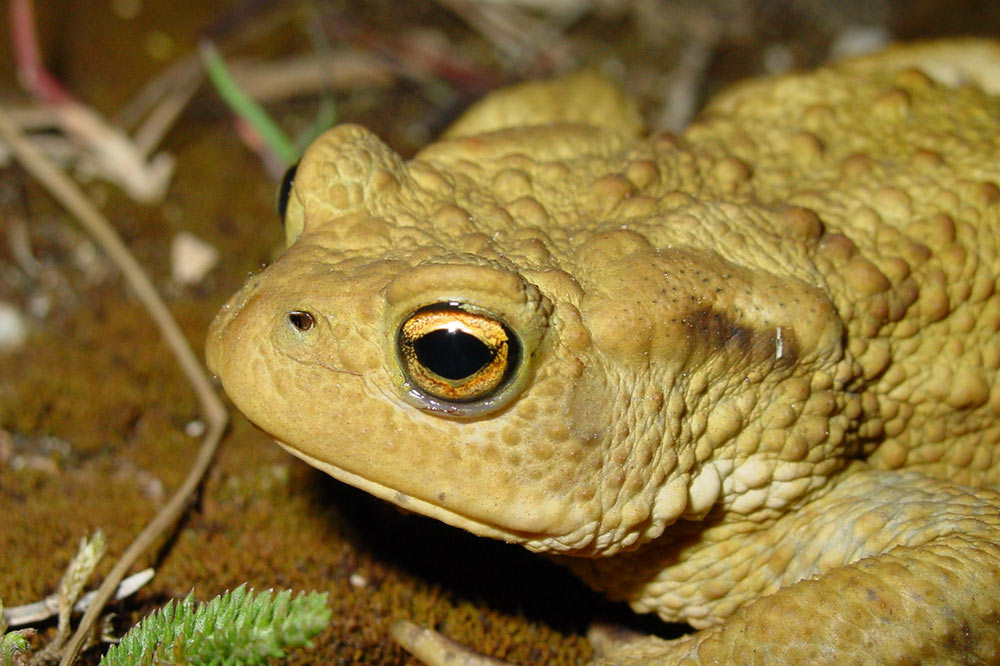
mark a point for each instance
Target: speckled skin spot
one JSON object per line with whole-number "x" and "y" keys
{"x": 758, "y": 389}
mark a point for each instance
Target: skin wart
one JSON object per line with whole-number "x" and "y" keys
{"x": 745, "y": 377}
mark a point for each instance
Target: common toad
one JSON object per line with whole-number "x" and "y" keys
{"x": 745, "y": 377}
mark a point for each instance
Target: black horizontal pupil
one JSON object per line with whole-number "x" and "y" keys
{"x": 301, "y": 320}
{"x": 452, "y": 354}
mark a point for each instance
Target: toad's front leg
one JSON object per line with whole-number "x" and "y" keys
{"x": 885, "y": 568}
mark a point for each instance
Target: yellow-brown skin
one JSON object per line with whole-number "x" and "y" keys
{"x": 759, "y": 390}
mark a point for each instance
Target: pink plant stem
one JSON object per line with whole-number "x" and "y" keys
{"x": 275, "y": 167}
{"x": 32, "y": 73}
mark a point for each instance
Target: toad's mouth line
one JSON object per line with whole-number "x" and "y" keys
{"x": 416, "y": 504}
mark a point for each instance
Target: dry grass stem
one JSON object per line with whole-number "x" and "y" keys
{"x": 97, "y": 148}
{"x": 40, "y": 611}
{"x": 69, "y": 195}
{"x": 519, "y": 36}
{"x": 162, "y": 117}
{"x": 302, "y": 75}
{"x": 114, "y": 156}
{"x": 178, "y": 76}
{"x": 102, "y": 150}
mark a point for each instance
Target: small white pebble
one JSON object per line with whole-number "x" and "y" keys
{"x": 778, "y": 59}
{"x": 357, "y": 580}
{"x": 151, "y": 487}
{"x": 39, "y": 305}
{"x": 90, "y": 262}
{"x": 34, "y": 463}
{"x": 858, "y": 40}
{"x": 191, "y": 258}
{"x": 13, "y": 328}
{"x": 195, "y": 428}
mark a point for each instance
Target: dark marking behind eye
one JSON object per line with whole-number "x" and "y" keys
{"x": 718, "y": 331}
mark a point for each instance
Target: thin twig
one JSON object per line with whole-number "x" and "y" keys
{"x": 39, "y": 611}
{"x": 161, "y": 102}
{"x": 64, "y": 190}
{"x": 310, "y": 73}
{"x": 175, "y": 77}
{"x": 159, "y": 121}
{"x": 520, "y": 37}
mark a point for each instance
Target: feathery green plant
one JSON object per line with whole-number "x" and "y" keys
{"x": 245, "y": 106}
{"x": 283, "y": 149}
{"x": 239, "y": 627}
{"x": 11, "y": 643}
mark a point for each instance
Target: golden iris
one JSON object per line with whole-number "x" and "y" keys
{"x": 453, "y": 354}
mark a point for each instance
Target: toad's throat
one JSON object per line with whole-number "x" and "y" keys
{"x": 531, "y": 541}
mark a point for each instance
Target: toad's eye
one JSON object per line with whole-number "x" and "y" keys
{"x": 455, "y": 355}
{"x": 285, "y": 190}
{"x": 301, "y": 320}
